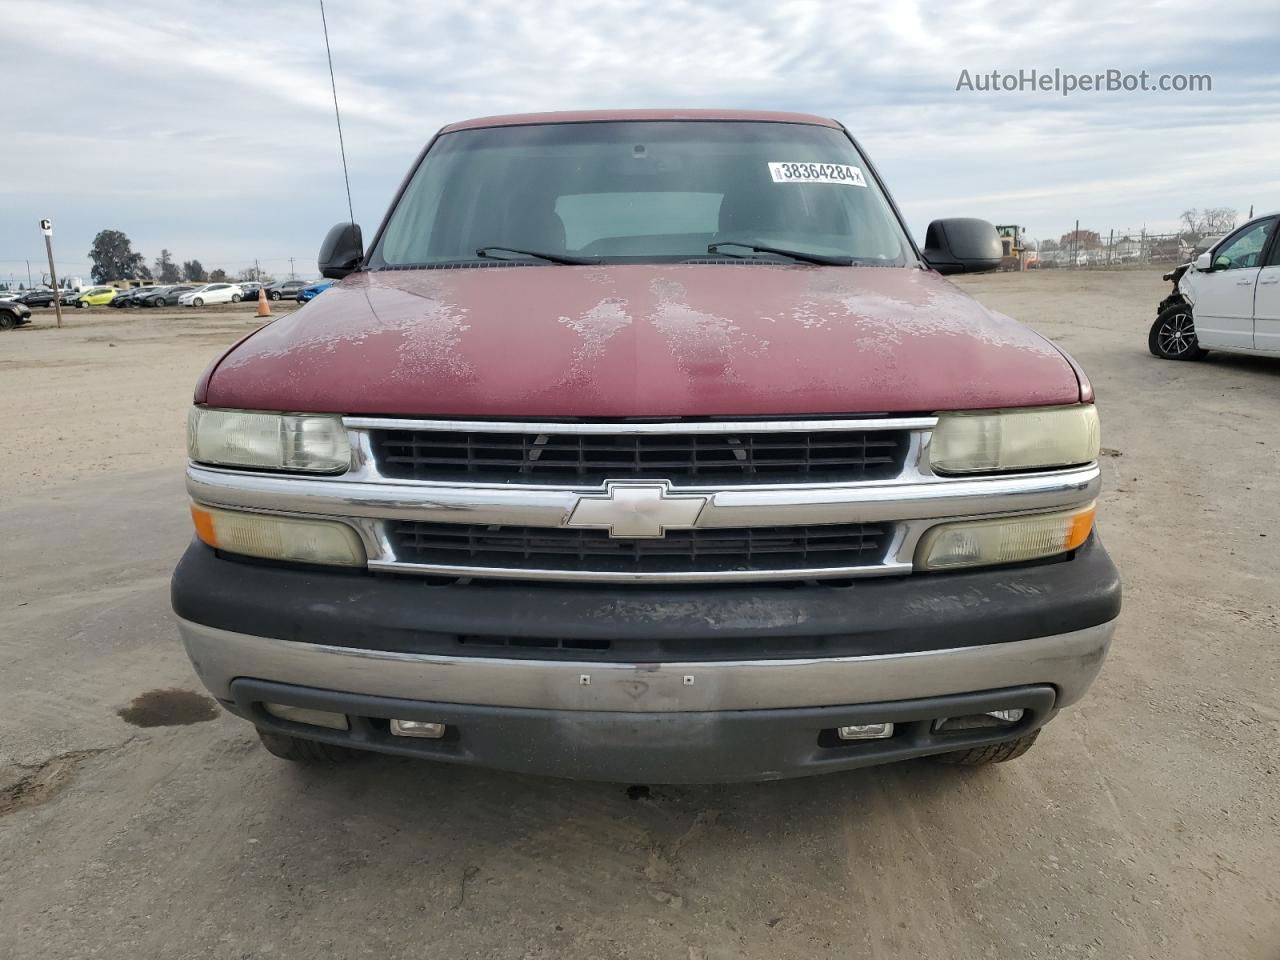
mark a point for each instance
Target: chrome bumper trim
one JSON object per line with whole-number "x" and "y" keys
{"x": 1068, "y": 661}
{"x": 890, "y": 567}
{"x": 870, "y": 502}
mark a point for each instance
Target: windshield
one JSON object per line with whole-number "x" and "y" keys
{"x": 642, "y": 192}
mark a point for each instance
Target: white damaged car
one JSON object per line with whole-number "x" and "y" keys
{"x": 1228, "y": 299}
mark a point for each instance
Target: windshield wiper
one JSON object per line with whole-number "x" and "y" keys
{"x": 781, "y": 251}
{"x": 549, "y": 257}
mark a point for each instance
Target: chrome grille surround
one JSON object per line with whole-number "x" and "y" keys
{"x": 909, "y": 503}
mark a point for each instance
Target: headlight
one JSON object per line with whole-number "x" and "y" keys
{"x": 974, "y": 543}
{"x": 273, "y": 441}
{"x": 983, "y": 441}
{"x": 278, "y": 538}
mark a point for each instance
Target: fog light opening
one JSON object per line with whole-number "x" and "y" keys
{"x": 314, "y": 718}
{"x": 427, "y": 729}
{"x": 1008, "y": 716}
{"x": 991, "y": 720}
{"x": 865, "y": 731}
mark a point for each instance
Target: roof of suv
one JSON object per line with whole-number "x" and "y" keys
{"x": 595, "y": 116}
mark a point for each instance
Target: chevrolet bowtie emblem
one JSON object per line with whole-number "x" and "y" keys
{"x": 634, "y": 509}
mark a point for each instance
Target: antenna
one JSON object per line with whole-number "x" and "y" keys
{"x": 337, "y": 116}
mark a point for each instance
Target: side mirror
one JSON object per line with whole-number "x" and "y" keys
{"x": 962, "y": 245}
{"x": 1204, "y": 262}
{"x": 342, "y": 251}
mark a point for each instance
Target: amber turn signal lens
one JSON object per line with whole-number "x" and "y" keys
{"x": 205, "y": 530}
{"x": 1081, "y": 527}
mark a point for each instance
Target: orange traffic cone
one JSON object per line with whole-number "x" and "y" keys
{"x": 264, "y": 308}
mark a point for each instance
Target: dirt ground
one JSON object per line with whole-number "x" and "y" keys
{"x": 135, "y": 823}
{"x": 116, "y": 383}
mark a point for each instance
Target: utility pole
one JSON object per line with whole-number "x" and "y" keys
{"x": 257, "y": 271}
{"x": 29, "y": 269}
{"x": 292, "y": 275}
{"x": 46, "y": 227}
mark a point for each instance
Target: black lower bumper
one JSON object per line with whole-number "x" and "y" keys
{"x": 724, "y": 746}
{"x": 647, "y": 624}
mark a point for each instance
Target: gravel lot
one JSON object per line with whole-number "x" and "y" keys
{"x": 1145, "y": 823}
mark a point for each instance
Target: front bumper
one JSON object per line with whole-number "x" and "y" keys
{"x": 677, "y": 684}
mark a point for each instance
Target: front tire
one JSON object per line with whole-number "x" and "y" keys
{"x": 81, "y": 305}
{"x": 235, "y": 298}
{"x": 8, "y": 321}
{"x": 162, "y": 302}
{"x": 996, "y": 753}
{"x": 275, "y": 294}
{"x": 1173, "y": 335}
{"x": 298, "y": 750}
{"x": 197, "y": 302}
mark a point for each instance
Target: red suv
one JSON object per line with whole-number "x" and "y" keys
{"x": 646, "y": 446}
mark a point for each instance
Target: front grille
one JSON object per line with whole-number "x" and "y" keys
{"x": 818, "y": 546}
{"x": 692, "y": 458}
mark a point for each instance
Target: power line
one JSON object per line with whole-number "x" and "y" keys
{"x": 338, "y": 117}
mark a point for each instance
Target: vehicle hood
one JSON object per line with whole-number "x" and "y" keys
{"x": 679, "y": 340}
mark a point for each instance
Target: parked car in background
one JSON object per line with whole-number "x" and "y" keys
{"x": 250, "y": 289}
{"x": 69, "y": 298}
{"x": 212, "y": 293}
{"x": 1205, "y": 244}
{"x": 13, "y": 314}
{"x": 131, "y": 298}
{"x": 6, "y": 295}
{"x": 286, "y": 289}
{"x": 96, "y": 296}
{"x": 1228, "y": 299}
{"x": 166, "y": 296}
{"x": 313, "y": 291}
{"x": 37, "y": 298}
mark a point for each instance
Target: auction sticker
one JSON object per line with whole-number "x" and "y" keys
{"x": 816, "y": 173}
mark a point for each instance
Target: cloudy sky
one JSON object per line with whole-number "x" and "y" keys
{"x": 207, "y": 128}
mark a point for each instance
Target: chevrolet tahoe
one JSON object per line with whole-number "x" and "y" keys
{"x": 646, "y": 446}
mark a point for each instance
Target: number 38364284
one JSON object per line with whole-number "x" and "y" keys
{"x": 806, "y": 172}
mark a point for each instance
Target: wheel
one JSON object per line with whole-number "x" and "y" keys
{"x": 162, "y": 302}
{"x": 1173, "y": 335}
{"x": 8, "y": 321}
{"x": 235, "y": 298}
{"x": 275, "y": 294}
{"x": 81, "y": 305}
{"x": 197, "y": 302}
{"x": 298, "y": 750}
{"x": 996, "y": 753}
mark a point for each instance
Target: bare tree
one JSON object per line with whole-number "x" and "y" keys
{"x": 1197, "y": 224}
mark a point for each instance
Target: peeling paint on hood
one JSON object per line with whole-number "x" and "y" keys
{"x": 679, "y": 340}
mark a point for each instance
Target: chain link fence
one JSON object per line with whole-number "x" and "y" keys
{"x": 1114, "y": 249}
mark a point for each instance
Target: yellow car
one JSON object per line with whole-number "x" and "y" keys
{"x": 96, "y": 296}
